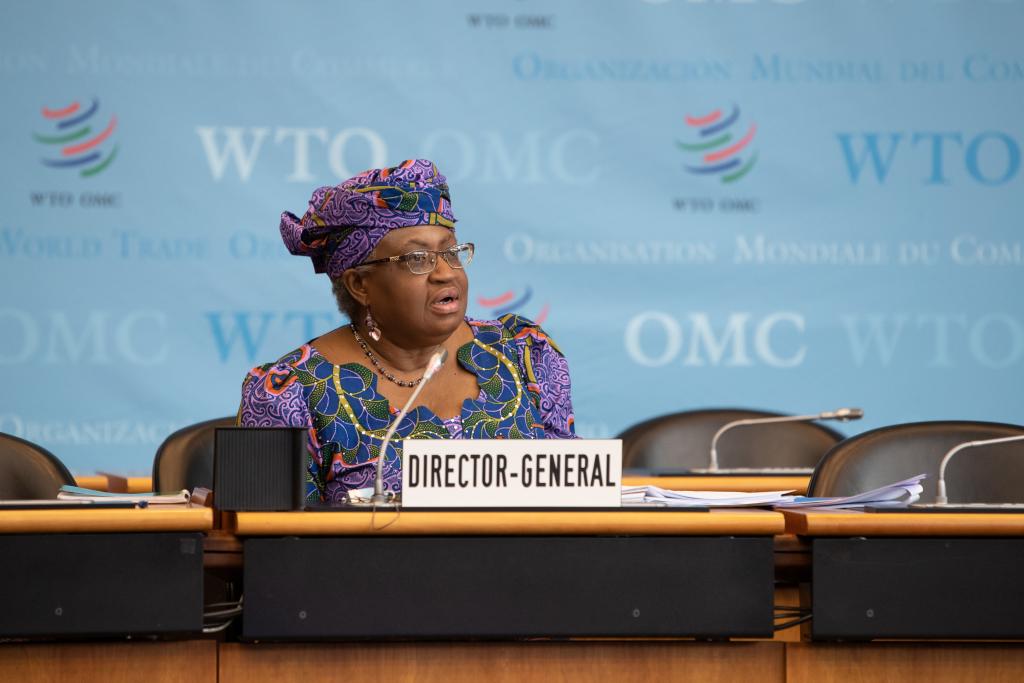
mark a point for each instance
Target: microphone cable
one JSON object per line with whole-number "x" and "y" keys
{"x": 221, "y": 618}
{"x": 796, "y": 616}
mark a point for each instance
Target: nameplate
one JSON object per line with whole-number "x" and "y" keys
{"x": 513, "y": 473}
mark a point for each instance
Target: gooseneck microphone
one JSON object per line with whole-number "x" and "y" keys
{"x": 841, "y": 414}
{"x": 379, "y": 498}
{"x": 940, "y": 493}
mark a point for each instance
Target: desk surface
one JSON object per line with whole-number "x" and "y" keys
{"x": 722, "y": 482}
{"x": 115, "y": 483}
{"x": 545, "y": 523}
{"x": 79, "y": 520}
{"x": 686, "y": 482}
{"x": 744, "y": 482}
{"x": 857, "y": 523}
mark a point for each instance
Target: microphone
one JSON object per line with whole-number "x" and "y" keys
{"x": 840, "y": 414}
{"x": 940, "y": 493}
{"x": 379, "y": 498}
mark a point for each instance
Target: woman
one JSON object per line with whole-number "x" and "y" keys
{"x": 386, "y": 238}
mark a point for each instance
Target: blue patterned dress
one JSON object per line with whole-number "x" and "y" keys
{"x": 524, "y": 394}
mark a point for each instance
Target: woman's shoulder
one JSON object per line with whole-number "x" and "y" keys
{"x": 284, "y": 369}
{"x": 272, "y": 395}
{"x": 293, "y": 360}
{"x": 513, "y": 327}
{"x": 544, "y": 367}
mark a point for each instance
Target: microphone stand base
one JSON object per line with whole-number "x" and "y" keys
{"x": 377, "y": 500}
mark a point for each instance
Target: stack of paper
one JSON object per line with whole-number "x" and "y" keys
{"x": 653, "y": 495}
{"x": 900, "y": 494}
{"x": 78, "y": 493}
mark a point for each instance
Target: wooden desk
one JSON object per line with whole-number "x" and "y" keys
{"x": 561, "y": 523}
{"x": 914, "y": 574}
{"x": 692, "y": 482}
{"x": 857, "y": 523}
{"x": 102, "y": 572}
{"x": 84, "y": 520}
{"x": 930, "y": 662}
{"x": 96, "y": 482}
{"x": 460, "y": 662}
{"x": 507, "y": 575}
{"x": 190, "y": 661}
{"x": 697, "y": 482}
{"x": 115, "y": 483}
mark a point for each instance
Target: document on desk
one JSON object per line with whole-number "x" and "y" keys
{"x": 898, "y": 494}
{"x": 657, "y": 496}
{"x": 79, "y": 493}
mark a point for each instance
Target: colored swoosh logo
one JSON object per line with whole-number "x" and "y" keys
{"x": 718, "y": 146}
{"x": 81, "y": 138}
{"x": 510, "y": 303}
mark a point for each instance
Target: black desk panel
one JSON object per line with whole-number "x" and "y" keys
{"x": 112, "y": 584}
{"x": 919, "y": 587}
{"x": 494, "y": 587}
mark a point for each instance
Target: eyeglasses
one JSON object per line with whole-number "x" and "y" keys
{"x": 424, "y": 261}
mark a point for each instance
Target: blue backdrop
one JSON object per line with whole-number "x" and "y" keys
{"x": 793, "y": 205}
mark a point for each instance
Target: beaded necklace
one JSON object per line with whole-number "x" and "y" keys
{"x": 376, "y": 363}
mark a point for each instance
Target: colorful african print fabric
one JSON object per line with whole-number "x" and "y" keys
{"x": 524, "y": 394}
{"x": 344, "y": 223}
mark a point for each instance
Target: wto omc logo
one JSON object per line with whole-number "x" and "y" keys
{"x": 711, "y": 143}
{"x": 78, "y": 139}
{"x": 510, "y": 303}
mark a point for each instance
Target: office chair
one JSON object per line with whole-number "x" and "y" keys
{"x": 185, "y": 458}
{"x": 988, "y": 474}
{"x": 28, "y": 471}
{"x": 682, "y": 441}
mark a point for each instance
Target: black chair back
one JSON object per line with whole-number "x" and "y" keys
{"x": 28, "y": 471}
{"x": 185, "y": 458}
{"x": 682, "y": 441}
{"x": 987, "y": 474}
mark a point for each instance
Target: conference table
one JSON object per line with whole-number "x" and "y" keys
{"x": 346, "y": 589}
{"x": 114, "y": 482}
{"x": 712, "y": 578}
{"x": 749, "y": 482}
{"x": 892, "y": 576}
{"x": 512, "y": 574}
{"x": 104, "y": 573}
{"x": 565, "y": 580}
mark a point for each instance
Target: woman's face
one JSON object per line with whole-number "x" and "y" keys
{"x": 414, "y": 310}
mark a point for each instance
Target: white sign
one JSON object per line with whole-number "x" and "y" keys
{"x": 511, "y": 473}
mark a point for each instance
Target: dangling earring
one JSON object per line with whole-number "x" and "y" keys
{"x": 371, "y": 326}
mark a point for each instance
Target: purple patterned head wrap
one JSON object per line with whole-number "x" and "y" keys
{"x": 344, "y": 223}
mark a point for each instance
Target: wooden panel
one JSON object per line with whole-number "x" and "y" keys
{"x": 386, "y": 522}
{"x": 123, "y": 484}
{"x": 856, "y": 523}
{"x": 796, "y": 483}
{"x": 931, "y": 662}
{"x": 496, "y": 662}
{"x": 222, "y": 550}
{"x": 139, "y": 484}
{"x": 106, "y": 481}
{"x": 96, "y": 482}
{"x": 154, "y": 518}
{"x": 167, "y": 662}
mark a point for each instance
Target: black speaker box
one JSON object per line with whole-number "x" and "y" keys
{"x": 259, "y": 468}
{"x": 496, "y": 587}
{"x": 95, "y": 585}
{"x": 954, "y": 588}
